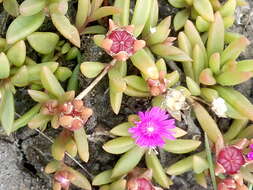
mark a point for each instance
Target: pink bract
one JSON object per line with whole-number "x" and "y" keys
{"x": 153, "y": 128}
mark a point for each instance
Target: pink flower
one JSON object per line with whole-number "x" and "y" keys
{"x": 63, "y": 178}
{"x": 250, "y": 154}
{"x": 153, "y": 128}
{"x": 231, "y": 159}
{"x": 120, "y": 42}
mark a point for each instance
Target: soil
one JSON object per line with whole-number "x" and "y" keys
{"x": 24, "y": 154}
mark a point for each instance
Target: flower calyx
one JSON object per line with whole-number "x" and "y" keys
{"x": 140, "y": 179}
{"x": 158, "y": 86}
{"x": 120, "y": 42}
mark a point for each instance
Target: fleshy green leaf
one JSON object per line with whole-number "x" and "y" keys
{"x": 206, "y": 122}
{"x": 79, "y": 179}
{"x": 39, "y": 96}
{"x": 204, "y": 8}
{"x": 50, "y": 83}
{"x": 235, "y": 128}
{"x": 193, "y": 86}
{"x": 121, "y": 129}
{"x": 17, "y": 53}
{"x": 102, "y": 178}
{"x": 236, "y": 100}
{"x": 170, "y": 52}
{"x": 23, "y": 26}
{"x": 4, "y": 66}
{"x": 215, "y": 43}
{"x": 140, "y": 15}
{"x": 7, "y": 111}
{"x": 11, "y": 6}
{"x": 181, "y": 146}
{"x": 103, "y": 12}
{"x": 234, "y": 49}
{"x": 152, "y": 19}
{"x": 39, "y": 121}
{"x": 43, "y": 42}
{"x": 119, "y": 145}
{"x": 123, "y": 18}
{"x": 137, "y": 82}
{"x": 128, "y": 161}
{"x": 233, "y": 78}
{"x": 183, "y": 165}
{"x": 161, "y": 32}
{"x": 199, "y": 164}
{"x": 91, "y": 69}
{"x": 31, "y": 7}
{"x": 180, "y": 18}
{"x": 201, "y": 24}
{"x": 63, "y": 73}
{"x": 82, "y": 144}
{"x": 145, "y": 64}
{"x": 157, "y": 169}
{"x": 34, "y": 70}
{"x": 118, "y": 185}
{"x": 178, "y": 3}
{"x": 83, "y": 11}
{"x": 69, "y": 31}
{"x": 228, "y": 8}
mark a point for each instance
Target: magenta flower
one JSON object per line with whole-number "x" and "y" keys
{"x": 250, "y": 154}
{"x": 153, "y": 128}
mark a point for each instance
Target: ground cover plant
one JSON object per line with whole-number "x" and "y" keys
{"x": 171, "y": 106}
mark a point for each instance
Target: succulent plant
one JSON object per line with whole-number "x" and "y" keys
{"x": 209, "y": 57}
{"x": 61, "y": 109}
{"x": 202, "y": 12}
{"x": 64, "y": 176}
{"x": 140, "y": 136}
{"x": 33, "y": 13}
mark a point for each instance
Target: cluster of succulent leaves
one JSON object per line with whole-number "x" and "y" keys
{"x": 207, "y": 52}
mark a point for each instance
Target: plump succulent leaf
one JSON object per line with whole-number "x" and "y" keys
{"x": 7, "y": 111}
{"x": 23, "y": 26}
{"x": 206, "y": 122}
{"x": 159, "y": 174}
{"x": 17, "y": 53}
{"x": 82, "y": 144}
{"x": 102, "y": 178}
{"x": 140, "y": 15}
{"x": 31, "y": 7}
{"x": 64, "y": 26}
{"x": 11, "y": 6}
{"x": 123, "y": 18}
{"x": 83, "y": 11}
{"x": 43, "y": 42}
{"x": 4, "y": 66}
{"x": 181, "y": 146}
{"x": 119, "y": 145}
{"x": 128, "y": 161}
{"x": 50, "y": 83}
